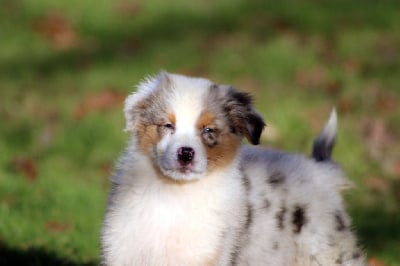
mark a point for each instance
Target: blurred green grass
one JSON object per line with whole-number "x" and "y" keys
{"x": 65, "y": 67}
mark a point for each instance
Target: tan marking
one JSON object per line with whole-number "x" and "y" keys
{"x": 148, "y": 137}
{"x": 211, "y": 261}
{"x": 225, "y": 151}
{"x": 222, "y": 154}
{"x": 205, "y": 119}
{"x": 172, "y": 118}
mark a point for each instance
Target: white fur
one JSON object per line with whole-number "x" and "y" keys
{"x": 172, "y": 224}
{"x": 330, "y": 128}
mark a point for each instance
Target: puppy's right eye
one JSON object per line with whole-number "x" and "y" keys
{"x": 169, "y": 126}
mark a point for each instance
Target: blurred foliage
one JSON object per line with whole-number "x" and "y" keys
{"x": 66, "y": 66}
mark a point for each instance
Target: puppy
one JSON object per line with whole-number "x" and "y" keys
{"x": 186, "y": 192}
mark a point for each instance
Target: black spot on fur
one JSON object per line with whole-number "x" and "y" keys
{"x": 266, "y": 204}
{"x": 276, "y": 178}
{"x": 249, "y": 217}
{"x": 280, "y": 217}
{"x": 299, "y": 219}
{"x": 339, "y": 221}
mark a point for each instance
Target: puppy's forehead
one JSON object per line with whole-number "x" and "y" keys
{"x": 188, "y": 98}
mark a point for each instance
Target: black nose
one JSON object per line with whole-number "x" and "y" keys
{"x": 185, "y": 155}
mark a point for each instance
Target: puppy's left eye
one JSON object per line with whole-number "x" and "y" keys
{"x": 208, "y": 130}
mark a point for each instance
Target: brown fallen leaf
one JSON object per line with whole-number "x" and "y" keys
{"x": 385, "y": 101}
{"x": 57, "y": 29}
{"x": 396, "y": 169}
{"x": 375, "y": 262}
{"x": 378, "y": 184}
{"x": 377, "y": 136}
{"x": 345, "y": 106}
{"x": 315, "y": 78}
{"x": 106, "y": 167}
{"x": 101, "y": 101}
{"x": 56, "y": 226}
{"x": 127, "y": 8}
{"x": 351, "y": 65}
{"x": 316, "y": 116}
{"x": 26, "y": 167}
{"x": 282, "y": 24}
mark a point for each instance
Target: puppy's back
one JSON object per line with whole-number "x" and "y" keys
{"x": 295, "y": 213}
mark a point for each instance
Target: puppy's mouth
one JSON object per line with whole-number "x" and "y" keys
{"x": 185, "y": 169}
{"x": 181, "y": 173}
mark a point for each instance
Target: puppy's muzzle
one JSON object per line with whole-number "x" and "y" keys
{"x": 185, "y": 155}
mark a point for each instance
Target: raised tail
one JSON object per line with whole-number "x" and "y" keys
{"x": 323, "y": 144}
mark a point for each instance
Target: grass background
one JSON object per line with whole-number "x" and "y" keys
{"x": 66, "y": 66}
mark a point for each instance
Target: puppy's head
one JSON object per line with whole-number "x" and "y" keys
{"x": 189, "y": 127}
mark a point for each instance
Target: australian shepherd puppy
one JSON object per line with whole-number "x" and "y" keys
{"x": 186, "y": 192}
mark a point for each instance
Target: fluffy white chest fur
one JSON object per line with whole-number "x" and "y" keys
{"x": 158, "y": 222}
{"x": 186, "y": 192}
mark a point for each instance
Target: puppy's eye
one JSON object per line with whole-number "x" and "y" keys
{"x": 208, "y": 130}
{"x": 168, "y": 126}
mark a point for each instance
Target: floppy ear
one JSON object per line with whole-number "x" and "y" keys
{"x": 254, "y": 127}
{"x": 136, "y": 102}
{"x": 242, "y": 116}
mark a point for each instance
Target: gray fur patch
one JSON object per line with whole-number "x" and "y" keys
{"x": 246, "y": 182}
{"x": 210, "y": 139}
{"x": 266, "y": 204}
{"x": 276, "y": 178}
{"x": 280, "y": 217}
{"x": 340, "y": 221}
{"x": 249, "y": 216}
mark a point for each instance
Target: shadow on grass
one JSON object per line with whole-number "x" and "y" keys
{"x": 378, "y": 229}
{"x": 35, "y": 257}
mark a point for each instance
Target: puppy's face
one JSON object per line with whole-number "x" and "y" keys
{"x": 189, "y": 127}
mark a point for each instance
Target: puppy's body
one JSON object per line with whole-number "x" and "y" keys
{"x": 296, "y": 213}
{"x": 186, "y": 193}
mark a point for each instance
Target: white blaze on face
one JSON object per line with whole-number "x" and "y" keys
{"x": 186, "y": 101}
